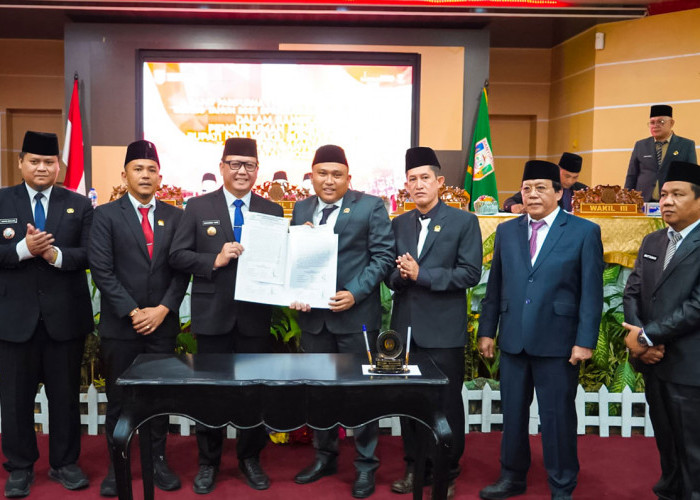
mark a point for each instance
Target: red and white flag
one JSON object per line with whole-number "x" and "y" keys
{"x": 73, "y": 147}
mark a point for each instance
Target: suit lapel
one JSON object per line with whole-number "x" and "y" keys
{"x": 552, "y": 238}
{"x": 24, "y": 207}
{"x": 345, "y": 211}
{"x": 411, "y": 233}
{"x": 57, "y": 202}
{"x": 432, "y": 235}
{"x": 159, "y": 214}
{"x": 688, "y": 246}
{"x": 523, "y": 241}
{"x": 306, "y": 210}
{"x": 132, "y": 222}
{"x": 220, "y": 208}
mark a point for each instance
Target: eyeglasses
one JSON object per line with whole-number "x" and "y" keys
{"x": 236, "y": 165}
{"x": 656, "y": 122}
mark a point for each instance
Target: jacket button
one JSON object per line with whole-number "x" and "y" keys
{"x": 531, "y": 280}
{"x": 527, "y": 301}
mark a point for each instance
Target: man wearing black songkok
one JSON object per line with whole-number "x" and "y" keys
{"x": 207, "y": 245}
{"x": 652, "y": 156}
{"x": 46, "y": 313}
{"x": 140, "y": 292}
{"x": 662, "y": 314}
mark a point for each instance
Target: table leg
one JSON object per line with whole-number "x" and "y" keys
{"x": 423, "y": 437}
{"x": 443, "y": 443}
{"x": 146, "y": 447}
{"x": 121, "y": 457}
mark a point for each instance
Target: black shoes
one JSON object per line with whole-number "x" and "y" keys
{"x": 254, "y": 474}
{"x": 316, "y": 471}
{"x": 17, "y": 485}
{"x": 205, "y": 479}
{"x": 70, "y": 476}
{"x": 503, "y": 488}
{"x": 164, "y": 478}
{"x": 364, "y": 484}
{"x": 403, "y": 485}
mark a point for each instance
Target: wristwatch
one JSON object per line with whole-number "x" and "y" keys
{"x": 642, "y": 339}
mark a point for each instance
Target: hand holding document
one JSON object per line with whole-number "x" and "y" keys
{"x": 283, "y": 264}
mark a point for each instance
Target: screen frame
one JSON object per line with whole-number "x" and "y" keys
{"x": 323, "y": 58}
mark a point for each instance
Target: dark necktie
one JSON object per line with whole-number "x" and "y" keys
{"x": 536, "y": 225}
{"x": 238, "y": 220}
{"x": 39, "y": 213}
{"x": 659, "y": 152}
{"x": 673, "y": 239}
{"x": 326, "y": 212}
{"x": 147, "y": 229}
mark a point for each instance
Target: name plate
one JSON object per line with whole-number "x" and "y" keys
{"x": 608, "y": 209}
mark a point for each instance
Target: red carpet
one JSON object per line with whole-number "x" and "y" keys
{"x": 614, "y": 467}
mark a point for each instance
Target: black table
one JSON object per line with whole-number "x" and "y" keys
{"x": 282, "y": 391}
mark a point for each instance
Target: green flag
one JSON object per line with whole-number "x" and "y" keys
{"x": 480, "y": 178}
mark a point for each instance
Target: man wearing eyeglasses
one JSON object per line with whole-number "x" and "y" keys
{"x": 207, "y": 245}
{"x": 652, "y": 156}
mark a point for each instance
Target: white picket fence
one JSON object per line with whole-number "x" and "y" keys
{"x": 483, "y": 418}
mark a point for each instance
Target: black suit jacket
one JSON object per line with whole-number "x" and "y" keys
{"x": 32, "y": 288}
{"x": 194, "y": 250}
{"x": 365, "y": 256}
{"x": 667, "y": 304}
{"x": 643, "y": 172}
{"x": 126, "y": 276}
{"x": 451, "y": 262}
{"x": 517, "y": 198}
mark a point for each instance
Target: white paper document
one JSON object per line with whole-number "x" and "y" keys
{"x": 282, "y": 264}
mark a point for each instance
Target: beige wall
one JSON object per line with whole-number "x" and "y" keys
{"x": 594, "y": 102}
{"x": 519, "y": 90}
{"x": 31, "y": 97}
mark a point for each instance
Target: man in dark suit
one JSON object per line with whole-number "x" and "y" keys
{"x": 365, "y": 256}
{"x": 569, "y": 171}
{"x": 662, "y": 314}
{"x": 45, "y": 305}
{"x": 140, "y": 292}
{"x": 544, "y": 297}
{"x": 652, "y": 156}
{"x": 207, "y": 245}
{"x": 438, "y": 251}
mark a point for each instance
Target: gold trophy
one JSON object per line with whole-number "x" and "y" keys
{"x": 389, "y": 348}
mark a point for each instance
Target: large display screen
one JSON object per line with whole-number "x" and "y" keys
{"x": 291, "y": 103}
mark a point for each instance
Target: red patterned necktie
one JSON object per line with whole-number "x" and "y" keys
{"x": 147, "y": 229}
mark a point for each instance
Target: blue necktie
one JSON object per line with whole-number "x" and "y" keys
{"x": 326, "y": 212}
{"x": 238, "y": 220}
{"x": 39, "y": 214}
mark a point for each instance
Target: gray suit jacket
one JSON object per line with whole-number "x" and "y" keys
{"x": 450, "y": 262}
{"x": 643, "y": 171}
{"x": 365, "y": 256}
{"x": 667, "y": 304}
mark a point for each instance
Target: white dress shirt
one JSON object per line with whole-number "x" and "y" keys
{"x": 318, "y": 213}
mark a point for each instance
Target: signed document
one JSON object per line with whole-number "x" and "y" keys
{"x": 282, "y": 264}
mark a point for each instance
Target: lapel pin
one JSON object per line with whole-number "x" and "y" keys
{"x": 675, "y": 153}
{"x": 346, "y": 211}
{"x": 437, "y": 228}
{"x": 211, "y": 231}
{"x": 8, "y": 233}
{"x": 160, "y": 222}
{"x": 70, "y": 211}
